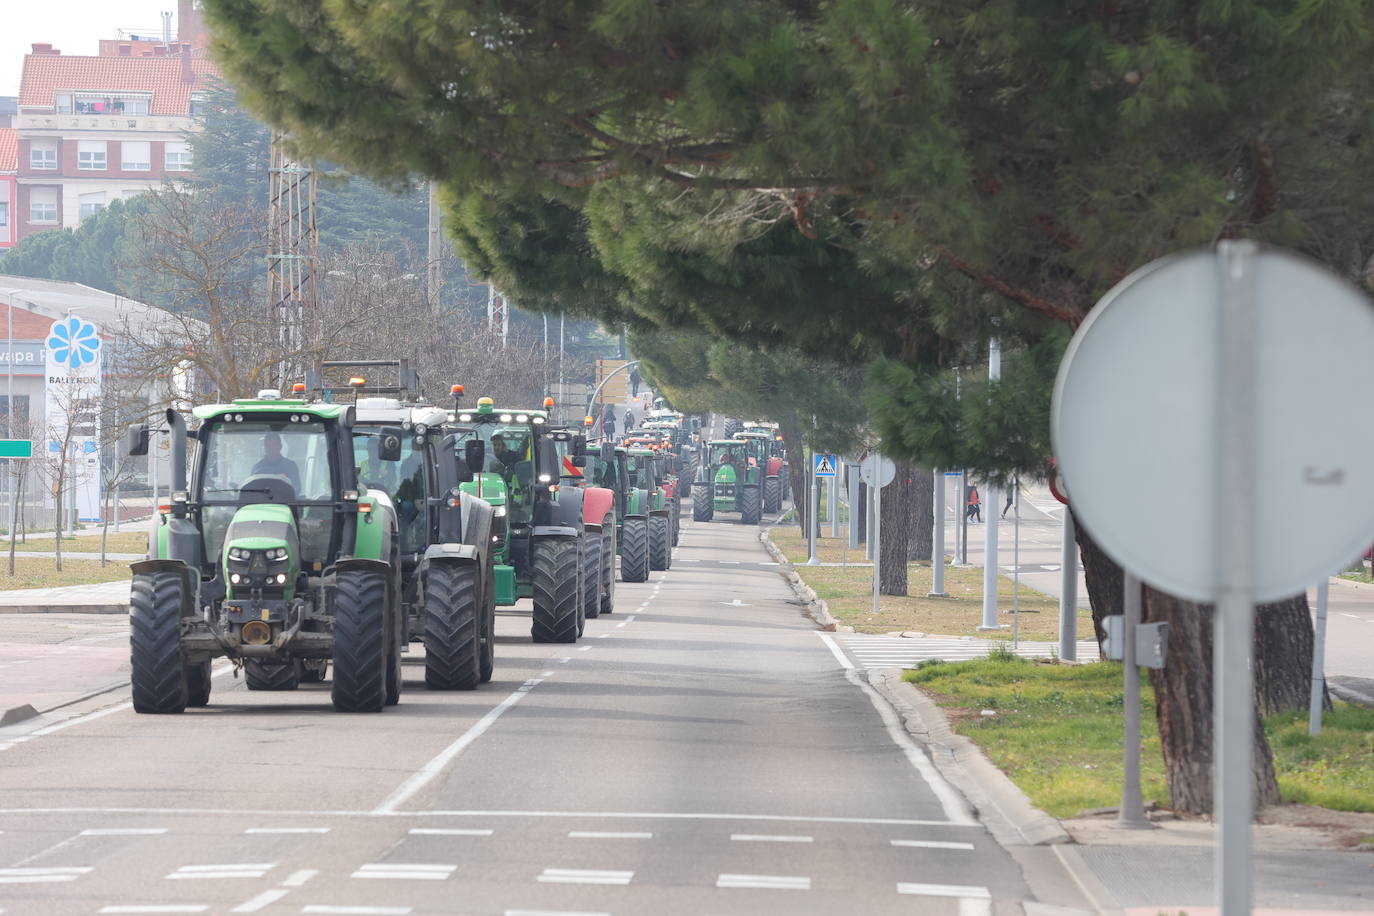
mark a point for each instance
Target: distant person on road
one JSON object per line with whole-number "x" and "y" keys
{"x": 974, "y": 508}
{"x": 634, "y": 384}
{"x": 608, "y": 422}
{"x": 629, "y": 422}
{"x": 1011, "y": 499}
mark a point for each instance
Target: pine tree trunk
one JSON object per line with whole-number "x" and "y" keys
{"x": 1184, "y": 710}
{"x": 1283, "y": 655}
{"x": 861, "y": 517}
{"x": 1103, "y": 577}
{"x": 896, "y": 534}
{"x": 922, "y": 543}
{"x": 796, "y": 467}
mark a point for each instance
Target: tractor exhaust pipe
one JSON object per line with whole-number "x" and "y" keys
{"x": 176, "y": 424}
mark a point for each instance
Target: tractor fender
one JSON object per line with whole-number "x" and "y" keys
{"x": 566, "y": 513}
{"x": 592, "y": 528}
{"x": 596, "y": 504}
{"x": 774, "y": 466}
{"x": 477, "y": 520}
{"x": 541, "y": 531}
{"x": 451, "y": 552}
{"x": 663, "y": 512}
{"x": 362, "y": 564}
{"x": 189, "y": 579}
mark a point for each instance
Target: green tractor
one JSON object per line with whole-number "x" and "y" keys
{"x": 598, "y": 517}
{"x": 642, "y": 515}
{"x": 765, "y": 449}
{"x": 729, "y": 481}
{"x": 274, "y": 553}
{"x": 543, "y": 547}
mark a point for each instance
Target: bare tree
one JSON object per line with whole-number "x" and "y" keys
{"x": 72, "y": 416}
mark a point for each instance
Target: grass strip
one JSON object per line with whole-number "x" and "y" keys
{"x": 38, "y": 572}
{"x": 1055, "y": 730}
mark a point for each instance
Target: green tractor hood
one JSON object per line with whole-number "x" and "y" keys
{"x": 261, "y": 545}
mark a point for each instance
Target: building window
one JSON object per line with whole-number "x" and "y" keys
{"x": 63, "y": 103}
{"x": 90, "y": 155}
{"x": 42, "y": 155}
{"x": 43, "y": 205}
{"x": 93, "y": 203}
{"x": 136, "y": 155}
{"x": 110, "y": 104}
{"x": 178, "y": 157}
{"x": 4, "y": 215}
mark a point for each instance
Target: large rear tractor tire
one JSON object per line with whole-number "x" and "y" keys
{"x": 360, "y": 643}
{"x": 660, "y": 542}
{"x": 634, "y": 553}
{"x": 158, "y": 676}
{"x": 264, "y": 674}
{"x": 608, "y": 565}
{"x": 591, "y": 575}
{"x": 198, "y": 684}
{"x": 453, "y": 643}
{"x": 703, "y": 502}
{"x": 772, "y": 495}
{"x": 556, "y": 598}
{"x": 750, "y": 505}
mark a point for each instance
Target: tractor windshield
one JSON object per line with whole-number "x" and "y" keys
{"x": 267, "y": 461}
{"x": 405, "y": 481}
{"x": 509, "y": 453}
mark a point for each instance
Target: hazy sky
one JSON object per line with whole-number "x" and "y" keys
{"x": 72, "y": 26}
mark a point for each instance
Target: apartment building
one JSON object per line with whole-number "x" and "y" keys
{"x": 94, "y": 129}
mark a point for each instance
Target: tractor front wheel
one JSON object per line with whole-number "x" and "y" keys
{"x": 360, "y": 641}
{"x": 703, "y": 502}
{"x": 158, "y": 676}
{"x": 660, "y": 542}
{"x": 556, "y": 583}
{"x": 750, "y": 505}
{"x": 261, "y": 674}
{"x": 198, "y": 684}
{"x": 772, "y": 495}
{"x": 634, "y": 552}
{"x": 452, "y": 641}
{"x": 591, "y": 574}
{"x": 608, "y": 565}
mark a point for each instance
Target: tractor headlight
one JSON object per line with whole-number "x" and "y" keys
{"x": 281, "y": 578}
{"x": 277, "y": 554}
{"x": 235, "y": 578}
{"x": 499, "y": 512}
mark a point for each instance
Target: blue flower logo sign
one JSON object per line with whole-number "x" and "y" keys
{"x": 74, "y": 343}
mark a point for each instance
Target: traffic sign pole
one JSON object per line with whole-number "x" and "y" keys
{"x": 1233, "y": 775}
{"x": 1068, "y": 591}
{"x": 1131, "y": 814}
{"x": 813, "y": 523}
{"x": 937, "y": 559}
{"x": 877, "y": 540}
{"x": 854, "y": 507}
{"x": 1314, "y": 709}
{"x": 834, "y": 487}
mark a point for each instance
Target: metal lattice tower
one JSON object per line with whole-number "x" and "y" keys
{"x": 292, "y": 255}
{"x": 498, "y": 314}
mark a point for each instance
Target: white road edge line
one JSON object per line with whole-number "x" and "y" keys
{"x": 261, "y": 901}
{"x": 931, "y": 844}
{"x": 956, "y": 807}
{"x": 429, "y": 771}
{"x": 845, "y": 663}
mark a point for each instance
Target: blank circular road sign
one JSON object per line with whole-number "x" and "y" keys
{"x": 877, "y": 466}
{"x": 1134, "y": 423}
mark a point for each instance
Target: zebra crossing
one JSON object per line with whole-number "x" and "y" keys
{"x": 867, "y": 650}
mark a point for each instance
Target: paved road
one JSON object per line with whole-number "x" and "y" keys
{"x": 701, "y": 751}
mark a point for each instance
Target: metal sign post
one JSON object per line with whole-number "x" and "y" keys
{"x": 1131, "y": 814}
{"x": 854, "y": 498}
{"x": 813, "y": 523}
{"x": 937, "y": 558}
{"x": 877, "y": 542}
{"x": 834, "y": 488}
{"x": 1068, "y": 591}
{"x": 1314, "y": 708}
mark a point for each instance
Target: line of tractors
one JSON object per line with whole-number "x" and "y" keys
{"x": 323, "y": 531}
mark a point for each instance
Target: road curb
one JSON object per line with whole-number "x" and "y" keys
{"x": 17, "y": 714}
{"x": 1093, "y": 889}
{"x": 965, "y": 765}
{"x": 815, "y": 608}
{"x": 64, "y": 609}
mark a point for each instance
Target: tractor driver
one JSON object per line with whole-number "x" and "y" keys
{"x": 374, "y": 472}
{"x": 275, "y": 463}
{"x": 509, "y": 461}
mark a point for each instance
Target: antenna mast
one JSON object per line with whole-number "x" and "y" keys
{"x": 292, "y": 253}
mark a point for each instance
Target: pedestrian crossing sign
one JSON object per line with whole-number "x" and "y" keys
{"x": 825, "y": 465}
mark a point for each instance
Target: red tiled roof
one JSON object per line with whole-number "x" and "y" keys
{"x": 9, "y": 150}
{"x": 44, "y": 74}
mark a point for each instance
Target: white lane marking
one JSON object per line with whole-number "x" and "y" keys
{"x": 765, "y": 882}
{"x": 434, "y": 767}
{"x": 565, "y": 660}
{"x": 621, "y": 624}
{"x": 49, "y": 875}
{"x": 123, "y": 831}
{"x": 246, "y": 870}
{"x": 449, "y": 831}
{"x": 845, "y": 663}
{"x": 603, "y": 635}
{"x": 585, "y": 649}
{"x": 643, "y": 606}
{"x": 356, "y": 910}
{"x": 974, "y": 906}
{"x": 956, "y": 808}
{"x": 156, "y": 908}
{"x": 584, "y": 876}
{"x": 546, "y": 674}
{"x": 944, "y": 890}
{"x": 769, "y": 838}
{"x": 261, "y": 901}
{"x": 607, "y": 835}
{"x": 694, "y": 816}
{"x": 932, "y": 844}
{"x": 299, "y": 878}
{"x": 287, "y": 830}
{"x": 630, "y": 619}
{"x": 401, "y": 871}
{"x": 552, "y": 913}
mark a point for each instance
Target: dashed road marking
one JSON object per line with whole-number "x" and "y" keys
{"x": 450, "y": 831}
{"x": 765, "y": 882}
{"x": 401, "y": 871}
{"x": 156, "y": 908}
{"x": 246, "y": 870}
{"x": 603, "y": 635}
{"x": 769, "y": 838}
{"x": 552, "y": 913}
{"x": 299, "y": 878}
{"x": 584, "y": 876}
{"x": 932, "y": 844}
{"x": 324, "y": 908}
{"x": 48, "y": 875}
{"x": 123, "y": 831}
{"x": 261, "y": 901}
{"x": 256, "y": 830}
{"x": 607, "y": 835}
{"x": 546, "y": 674}
{"x": 944, "y": 890}
{"x": 585, "y": 649}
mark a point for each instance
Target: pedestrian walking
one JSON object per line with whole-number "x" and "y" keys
{"x": 973, "y": 510}
{"x": 1011, "y": 500}
{"x": 629, "y": 421}
{"x": 608, "y": 422}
